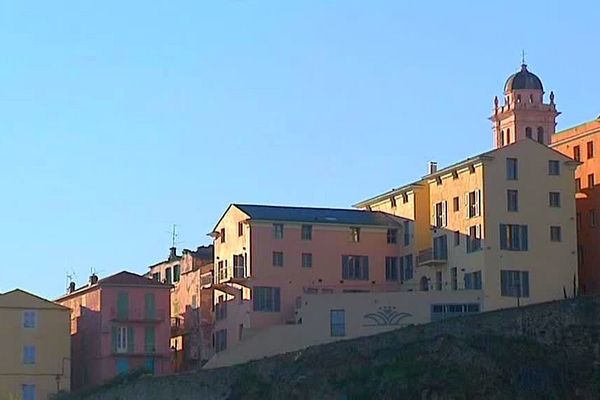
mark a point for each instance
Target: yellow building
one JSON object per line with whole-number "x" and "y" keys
{"x": 35, "y": 347}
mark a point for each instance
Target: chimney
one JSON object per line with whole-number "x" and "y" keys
{"x": 432, "y": 167}
{"x": 93, "y": 279}
{"x": 71, "y": 288}
{"x": 172, "y": 253}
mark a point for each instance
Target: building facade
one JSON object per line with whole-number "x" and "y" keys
{"x": 191, "y": 276}
{"x": 118, "y": 324}
{"x": 34, "y": 346}
{"x": 580, "y": 143}
{"x": 267, "y": 257}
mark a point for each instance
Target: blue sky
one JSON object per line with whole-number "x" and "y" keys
{"x": 118, "y": 119}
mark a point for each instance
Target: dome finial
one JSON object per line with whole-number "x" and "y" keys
{"x": 523, "y": 57}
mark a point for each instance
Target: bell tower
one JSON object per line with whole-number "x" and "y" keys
{"x": 523, "y": 113}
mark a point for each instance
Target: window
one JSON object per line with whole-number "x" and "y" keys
{"x": 438, "y": 280}
{"x": 391, "y": 268}
{"x": 156, "y": 276}
{"x": 277, "y": 231}
{"x": 471, "y": 169}
{"x": 278, "y": 259}
{"x": 508, "y": 136}
{"x": 393, "y": 202}
{"x": 592, "y": 217}
{"x": 355, "y": 234}
{"x": 220, "y": 340}
{"x": 474, "y": 239}
{"x": 149, "y": 339}
{"x": 306, "y": 232}
{"x": 150, "y": 305}
{"x": 473, "y": 280}
{"x": 28, "y": 354}
{"x": 176, "y": 273}
{"x": 513, "y": 237}
{"x": 222, "y": 235}
{"x": 512, "y": 171}
{"x": 577, "y": 185}
{"x": 454, "y": 278}
{"x": 168, "y": 276}
{"x": 443, "y": 311}
{"x": 266, "y": 299}
{"x": 406, "y": 233}
{"x": 554, "y": 199}
{"x": 441, "y": 214}
{"x": 29, "y": 319}
{"x": 221, "y": 308}
{"x": 514, "y": 283}
{"x": 553, "y": 167}
{"x": 438, "y": 180}
{"x": 337, "y": 320}
{"x": 306, "y": 260}
{"x": 455, "y": 175}
{"x": 590, "y": 181}
{"x": 512, "y": 200}
{"x": 590, "y": 149}
{"x": 528, "y": 132}
{"x": 121, "y": 339}
{"x": 440, "y": 248}
{"x": 392, "y": 236}
{"x": 240, "y": 228}
{"x": 473, "y": 201}
{"x": 355, "y": 267}
{"x": 576, "y": 153}
{"x": 455, "y": 204}
{"x": 28, "y": 392}
{"x": 502, "y": 143}
{"x": 406, "y": 267}
{"x": 540, "y": 135}
{"x": 457, "y": 238}
{"x": 555, "y": 234}
{"x": 194, "y": 302}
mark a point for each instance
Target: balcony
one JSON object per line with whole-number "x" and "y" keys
{"x": 140, "y": 315}
{"x": 429, "y": 257}
{"x": 177, "y": 326}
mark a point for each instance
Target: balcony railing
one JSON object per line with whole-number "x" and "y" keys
{"x": 431, "y": 257}
{"x": 137, "y": 315}
{"x": 177, "y": 326}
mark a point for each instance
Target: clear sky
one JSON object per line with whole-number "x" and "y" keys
{"x": 120, "y": 118}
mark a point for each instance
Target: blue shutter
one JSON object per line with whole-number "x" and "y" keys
{"x": 525, "y": 284}
{"x": 276, "y": 299}
{"x": 114, "y": 339}
{"x": 130, "y": 340}
{"x": 344, "y": 267}
{"x": 524, "y": 239}
{"x": 365, "y": 268}
{"x": 503, "y": 244}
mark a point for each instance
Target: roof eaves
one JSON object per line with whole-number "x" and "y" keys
{"x": 387, "y": 194}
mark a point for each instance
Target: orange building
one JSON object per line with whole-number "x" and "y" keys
{"x": 580, "y": 142}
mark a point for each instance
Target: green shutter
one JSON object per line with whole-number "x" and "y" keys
{"x": 114, "y": 339}
{"x": 149, "y": 339}
{"x": 150, "y": 306}
{"x": 123, "y": 305}
{"x": 130, "y": 340}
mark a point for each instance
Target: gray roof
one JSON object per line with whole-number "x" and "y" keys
{"x": 318, "y": 215}
{"x": 523, "y": 80}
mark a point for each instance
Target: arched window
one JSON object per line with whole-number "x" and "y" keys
{"x": 424, "y": 285}
{"x": 518, "y": 98}
{"x": 530, "y": 98}
{"x": 528, "y": 132}
{"x": 540, "y": 134}
{"x": 508, "y": 136}
{"x": 502, "y": 138}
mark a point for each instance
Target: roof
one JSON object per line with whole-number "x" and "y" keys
{"x": 318, "y": 215}
{"x": 123, "y": 278}
{"x": 387, "y": 194}
{"x": 523, "y": 80}
{"x": 21, "y": 298}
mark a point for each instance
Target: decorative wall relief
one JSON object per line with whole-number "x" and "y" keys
{"x": 385, "y": 316}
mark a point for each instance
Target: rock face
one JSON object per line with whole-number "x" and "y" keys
{"x": 545, "y": 351}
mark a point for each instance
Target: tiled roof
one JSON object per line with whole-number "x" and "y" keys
{"x": 318, "y": 215}
{"x": 129, "y": 278}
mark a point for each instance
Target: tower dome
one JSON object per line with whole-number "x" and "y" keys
{"x": 523, "y": 80}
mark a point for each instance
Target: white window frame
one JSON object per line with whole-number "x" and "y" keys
{"x": 121, "y": 339}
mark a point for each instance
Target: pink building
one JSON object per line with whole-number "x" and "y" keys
{"x": 118, "y": 324}
{"x": 191, "y": 275}
{"x": 267, "y": 257}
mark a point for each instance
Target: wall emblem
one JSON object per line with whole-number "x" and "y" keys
{"x": 385, "y": 316}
